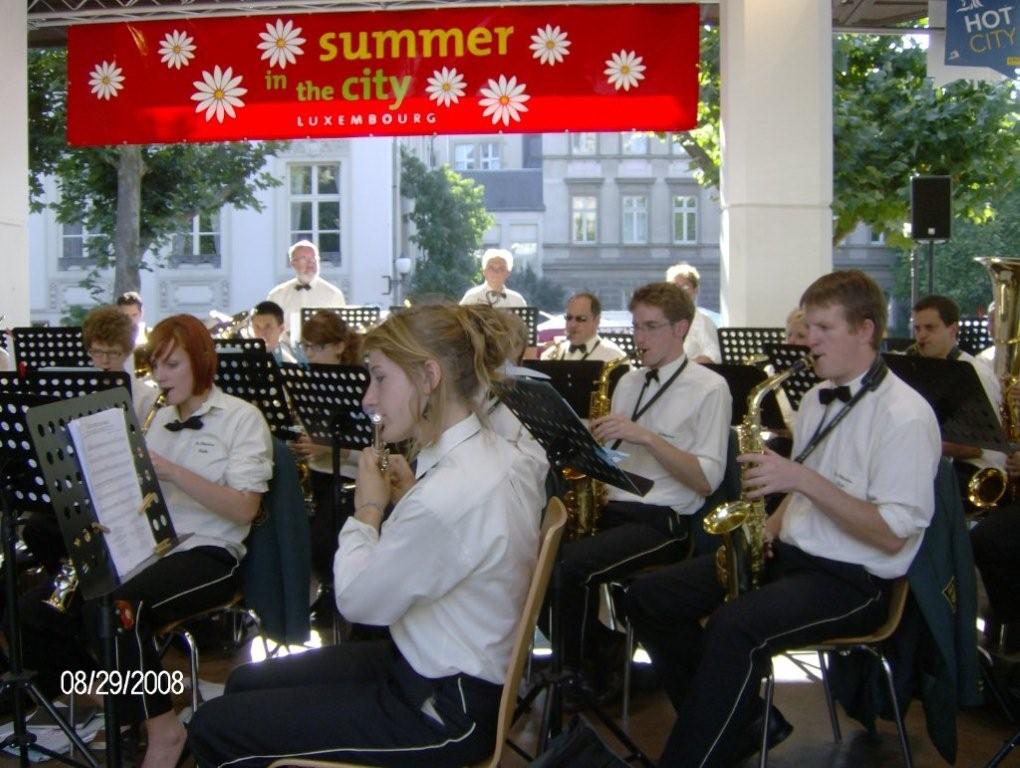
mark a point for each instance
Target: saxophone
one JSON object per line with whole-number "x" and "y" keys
{"x": 740, "y": 561}
{"x": 586, "y": 496}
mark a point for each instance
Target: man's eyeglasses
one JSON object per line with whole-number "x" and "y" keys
{"x": 576, "y": 318}
{"x": 651, "y": 327}
{"x": 107, "y": 354}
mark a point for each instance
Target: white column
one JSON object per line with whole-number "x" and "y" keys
{"x": 776, "y": 175}
{"x": 14, "y": 191}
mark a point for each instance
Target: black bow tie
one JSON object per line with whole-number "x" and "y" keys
{"x": 195, "y": 422}
{"x": 652, "y": 375}
{"x": 303, "y": 287}
{"x": 577, "y": 348}
{"x": 493, "y": 295}
{"x": 826, "y": 396}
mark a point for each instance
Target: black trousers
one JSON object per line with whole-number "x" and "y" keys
{"x": 354, "y": 702}
{"x": 174, "y": 587}
{"x": 712, "y": 674}
{"x": 323, "y": 533}
{"x": 996, "y": 544}
{"x": 631, "y": 537}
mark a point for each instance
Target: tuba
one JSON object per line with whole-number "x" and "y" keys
{"x": 740, "y": 561}
{"x": 586, "y": 496}
{"x": 988, "y": 486}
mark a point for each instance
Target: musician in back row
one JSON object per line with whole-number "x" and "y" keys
{"x": 860, "y": 495}
{"x": 582, "y": 342}
{"x": 671, "y": 418}
{"x": 306, "y": 289}
{"x": 497, "y": 264}
{"x": 936, "y": 322}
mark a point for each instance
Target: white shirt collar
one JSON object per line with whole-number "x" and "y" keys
{"x": 450, "y": 439}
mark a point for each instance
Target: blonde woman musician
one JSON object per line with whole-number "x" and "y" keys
{"x": 447, "y": 571}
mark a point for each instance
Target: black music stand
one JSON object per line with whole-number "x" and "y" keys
{"x": 530, "y": 317}
{"x": 575, "y": 379}
{"x": 358, "y": 318}
{"x": 60, "y": 346}
{"x": 64, "y": 384}
{"x": 739, "y": 344}
{"x": 782, "y": 356}
{"x": 625, "y": 341}
{"x": 741, "y": 379}
{"x": 568, "y": 445}
{"x": 974, "y": 336}
{"x": 83, "y": 535}
{"x": 954, "y": 391}
{"x": 327, "y": 400}
{"x": 255, "y": 378}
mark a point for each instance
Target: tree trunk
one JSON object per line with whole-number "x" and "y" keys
{"x": 126, "y": 242}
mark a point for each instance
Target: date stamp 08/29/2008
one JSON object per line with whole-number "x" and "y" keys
{"x": 132, "y": 682}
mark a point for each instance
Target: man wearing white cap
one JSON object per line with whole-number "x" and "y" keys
{"x": 497, "y": 264}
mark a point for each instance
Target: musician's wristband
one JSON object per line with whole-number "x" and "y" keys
{"x": 372, "y": 504}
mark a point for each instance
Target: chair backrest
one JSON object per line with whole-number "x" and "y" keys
{"x": 549, "y": 544}
{"x": 897, "y": 603}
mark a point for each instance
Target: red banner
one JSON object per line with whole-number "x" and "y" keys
{"x": 464, "y": 70}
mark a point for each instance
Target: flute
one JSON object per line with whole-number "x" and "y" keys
{"x": 378, "y": 443}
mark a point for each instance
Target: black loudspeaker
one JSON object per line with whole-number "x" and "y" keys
{"x": 931, "y": 211}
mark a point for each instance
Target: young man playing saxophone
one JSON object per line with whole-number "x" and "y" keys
{"x": 860, "y": 495}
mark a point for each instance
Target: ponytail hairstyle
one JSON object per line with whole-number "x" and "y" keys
{"x": 462, "y": 340}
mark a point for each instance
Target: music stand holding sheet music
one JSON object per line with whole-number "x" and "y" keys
{"x": 568, "y": 445}
{"x": 327, "y": 400}
{"x": 60, "y": 346}
{"x": 83, "y": 507}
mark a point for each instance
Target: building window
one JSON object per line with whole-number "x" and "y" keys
{"x": 635, "y": 143}
{"x": 315, "y": 207}
{"x": 524, "y": 244}
{"x": 199, "y": 245}
{"x": 477, "y": 156}
{"x": 635, "y": 219}
{"x": 584, "y": 219}
{"x": 583, "y": 143}
{"x": 491, "y": 237}
{"x": 78, "y": 246}
{"x": 685, "y": 219}
{"x": 877, "y": 237}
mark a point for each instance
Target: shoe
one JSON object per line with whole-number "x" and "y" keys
{"x": 750, "y": 739}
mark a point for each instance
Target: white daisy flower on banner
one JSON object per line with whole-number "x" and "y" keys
{"x": 549, "y": 45}
{"x": 177, "y": 49}
{"x": 106, "y": 79}
{"x": 504, "y": 100}
{"x": 625, "y": 69}
{"x": 281, "y": 43}
{"x": 446, "y": 86}
{"x": 219, "y": 93}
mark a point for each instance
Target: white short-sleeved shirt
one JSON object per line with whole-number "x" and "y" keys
{"x": 450, "y": 568}
{"x": 233, "y": 448}
{"x": 482, "y": 294}
{"x": 596, "y": 348}
{"x": 885, "y": 451}
{"x": 692, "y": 415}
{"x": 702, "y": 338}
{"x": 322, "y": 293}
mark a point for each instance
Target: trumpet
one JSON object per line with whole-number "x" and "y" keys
{"x": 378, "y": 444}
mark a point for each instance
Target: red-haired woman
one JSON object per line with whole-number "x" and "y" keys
{"x": 213, "y": 455}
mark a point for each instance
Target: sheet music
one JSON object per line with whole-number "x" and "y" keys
{"x": 104, "y": 454}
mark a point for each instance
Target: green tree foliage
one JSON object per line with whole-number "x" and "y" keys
{"x": 449, "y": 220}
{"x": 537, "y": 290}
{"x": 890, "y": 123}
{"x": 956, "y": 273}
{"x": 137, "y": 197}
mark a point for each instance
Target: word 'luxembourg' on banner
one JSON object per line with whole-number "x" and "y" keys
{"x": 465, "y": 70}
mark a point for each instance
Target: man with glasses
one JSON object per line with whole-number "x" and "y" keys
{"x": 584, "y": 310}
{"x": 109, "y": 338}
{"x": 306, "y": 289}
{"x": 671, "y": 419}
{"x": 497, "y": 264}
